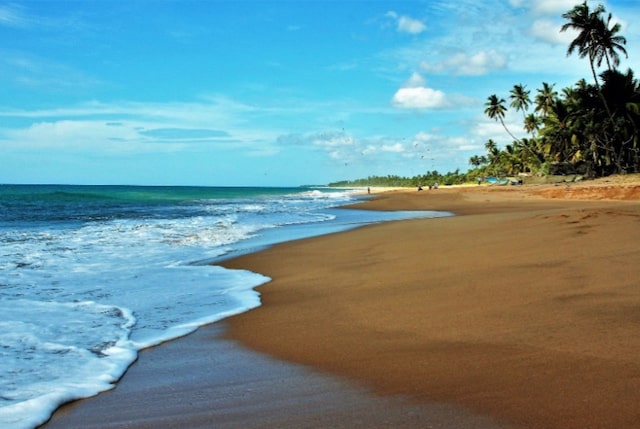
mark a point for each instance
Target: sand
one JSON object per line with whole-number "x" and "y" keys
{"x": 206, "y": 381}
{"x": 522, "y": 311}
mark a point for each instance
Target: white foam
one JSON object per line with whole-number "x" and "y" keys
{"x": 46, "y": 363}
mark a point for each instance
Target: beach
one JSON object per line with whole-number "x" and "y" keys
{"x": 521, "y": 311}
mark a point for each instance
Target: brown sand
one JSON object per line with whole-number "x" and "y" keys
{"x": 204, "y": 381}
{"x": 524, "y": 309}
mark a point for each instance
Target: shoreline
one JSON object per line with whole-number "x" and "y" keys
{"x": 338, "y": 317}
{"x": 458, "y": 310}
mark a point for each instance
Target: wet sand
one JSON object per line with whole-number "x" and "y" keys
{"x": 523, "y": 311}
{"x": 206, "y": 381}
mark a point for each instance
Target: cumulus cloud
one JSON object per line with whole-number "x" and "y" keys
{"x": 418, "y": 98}
{"x": 465, "y": 64}
{"x": 406, "y": 24}
{"x": 414, "y": 95}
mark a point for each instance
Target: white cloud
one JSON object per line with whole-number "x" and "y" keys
{"x": 551, "y": 7}
{"x": 135, "y": 127}
{"x": 468, "y": 64}
{"x": 419, "y": 98}
{"x": 411, "y": 26}
{"x": 82, "y": 135}
{"x": 414, "y": 95}
{"x": 406, "y": 24}
{"x": 484, "y": 128}
{"x": 423, "y": 137}
{"x": 546, "y": 26}
{"x": 548, "y": 30}
{"x": 396, "y": 148}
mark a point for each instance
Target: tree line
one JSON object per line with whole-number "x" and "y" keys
{"x": 429, "y": 178}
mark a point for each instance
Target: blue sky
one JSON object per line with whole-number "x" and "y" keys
{"x": 269, "y": 93}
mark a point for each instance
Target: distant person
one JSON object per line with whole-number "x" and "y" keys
{"x": 368, "y": 190}
{"x": 419, "y": 188}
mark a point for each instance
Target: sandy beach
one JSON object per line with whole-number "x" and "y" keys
{"x": 521, "y": 311}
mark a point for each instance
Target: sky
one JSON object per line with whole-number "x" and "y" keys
{"x": 270, "y": 93}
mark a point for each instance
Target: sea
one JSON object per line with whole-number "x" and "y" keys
{"x": 91, "y": 275}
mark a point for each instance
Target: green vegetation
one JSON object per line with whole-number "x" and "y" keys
{"x": 431, "y": 177}
{"x": 590, "y": 128}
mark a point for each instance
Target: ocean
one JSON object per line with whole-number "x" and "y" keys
{"x": 91, "y": 275}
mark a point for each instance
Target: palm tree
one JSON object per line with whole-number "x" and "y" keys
{"x": 532, "y": 124}
{"x": 587, "y": 23}
{"x": 609, "y": 43}
{"x": 545, "y": 98}
{"x": 475, "y": 161}
{"x": 520, "y": 98}
{"x": 596, "y": 39}
{"x": 622, "y": 92}
{"x": 496, "y": 110}
{"x": 491, "y": 147}
{"x": 559, "y": 133}
{"x": 533, "y": 158}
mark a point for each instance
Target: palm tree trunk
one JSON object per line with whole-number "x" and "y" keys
{"x": 509, "y": 132}
{"x": 595, "y": 78}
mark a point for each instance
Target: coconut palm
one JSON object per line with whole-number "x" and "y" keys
{"x": 532, "y": 124}
{"x": 520, "y": 98}
{"x": 475, "y": 161}
{"x": 545, "y": 98}
{"x": 491, "y": 147}
{"x": 622, "y": 92}
{"x": 588, "y": 24}
{"x": 559, "y": 133}
{"x": 609, "y": 43}
{"x": 495, "y": 109}
{"x": 533, "y": 156}
{"x": 596, "y": 39}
